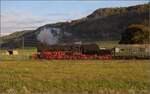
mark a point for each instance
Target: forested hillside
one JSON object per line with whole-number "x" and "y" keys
{"x": 103, "y": 24}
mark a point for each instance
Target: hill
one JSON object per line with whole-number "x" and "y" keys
{"x": 102, "y": 25}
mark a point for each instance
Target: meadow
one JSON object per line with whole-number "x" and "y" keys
{"x": 75, "y": 77}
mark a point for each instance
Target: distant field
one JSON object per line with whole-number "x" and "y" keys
{"x": 75, "y": 77}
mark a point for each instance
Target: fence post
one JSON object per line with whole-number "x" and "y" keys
{"x": 0, "y": 47}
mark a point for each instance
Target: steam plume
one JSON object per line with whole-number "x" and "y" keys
{"x": 49, "y": 35}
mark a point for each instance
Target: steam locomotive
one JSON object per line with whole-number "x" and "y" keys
{"x": 73, "y": 51}
{"x": 89, "y": 51}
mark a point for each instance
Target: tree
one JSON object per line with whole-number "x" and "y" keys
{"x": 135, "y": 34}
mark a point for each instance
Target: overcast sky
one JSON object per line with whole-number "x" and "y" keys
{"x": 26, "y": 15}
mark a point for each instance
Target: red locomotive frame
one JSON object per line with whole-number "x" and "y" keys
{"x": 72, "y": 52}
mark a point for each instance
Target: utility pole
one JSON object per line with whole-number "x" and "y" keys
{"x": 23, "y": 47}
{"x": 0, "y": 43}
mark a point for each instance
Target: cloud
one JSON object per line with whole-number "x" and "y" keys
{"x": 14, "y": 21}
{"x": 17, "y": 21}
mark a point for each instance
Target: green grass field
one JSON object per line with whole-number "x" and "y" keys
{"x": 75, "y": 77}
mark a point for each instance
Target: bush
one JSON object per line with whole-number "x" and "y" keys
{"x": 135, "y": 34}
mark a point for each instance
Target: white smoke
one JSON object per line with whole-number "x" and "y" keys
{"x": 49, "y": 35}
{"x": 52, "y": 35}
